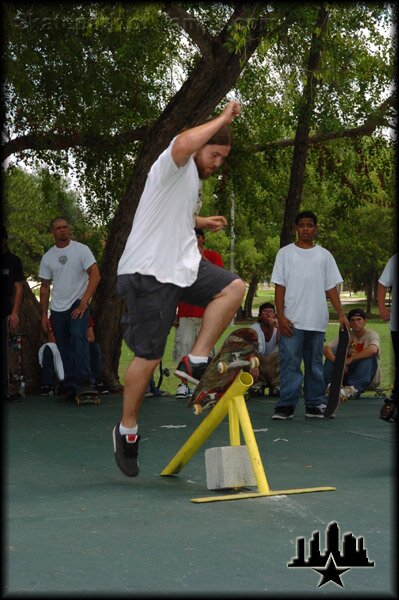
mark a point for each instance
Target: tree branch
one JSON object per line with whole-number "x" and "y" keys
{"x": 58, "y": 141}
{"x": 376, "y": 119}
{"x": 192, "y": 27}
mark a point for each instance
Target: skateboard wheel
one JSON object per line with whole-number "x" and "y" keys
{"x": 222, "y": 367}
{"x": 197, "y": 408}
{"x": 254, "y": 362}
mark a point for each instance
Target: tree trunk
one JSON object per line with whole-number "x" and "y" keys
{"x": 206, "y": 86}
{"x": 293, "y": 200}
{"x": 253, "y": 286}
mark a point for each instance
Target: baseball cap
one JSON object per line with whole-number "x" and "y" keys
{"x": 356, "y": 312}
{"x": 266, "y": 305}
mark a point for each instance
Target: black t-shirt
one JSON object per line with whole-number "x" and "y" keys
{"x": 11, "y": 271}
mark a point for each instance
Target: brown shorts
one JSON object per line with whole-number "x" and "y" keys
{"x": 151, "y": 305}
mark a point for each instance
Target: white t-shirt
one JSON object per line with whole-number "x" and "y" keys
{"x": 389, "y": 278}
{"x": 265, "y": 347}
{"x": 306, "y": 275}
{"x": 67, "y": 269}
{"x": 162, "y": 241}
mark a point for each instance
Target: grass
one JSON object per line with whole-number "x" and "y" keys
{"x": 169, "y": 384}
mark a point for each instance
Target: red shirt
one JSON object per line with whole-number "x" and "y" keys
{"x": 189, "y": 310}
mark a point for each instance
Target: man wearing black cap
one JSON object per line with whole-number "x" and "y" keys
{"x": 362, "y": 366}
{"x": 12, "y": 278}
{"x": 269, "y": 357}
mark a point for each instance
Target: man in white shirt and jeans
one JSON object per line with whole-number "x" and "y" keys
{"x": 161, "y": 264}
{"x": 304, "y": 274}
{"x": 70, "y": 270}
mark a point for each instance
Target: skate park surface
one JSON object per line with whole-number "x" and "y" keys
{"x": 75, "y": 525}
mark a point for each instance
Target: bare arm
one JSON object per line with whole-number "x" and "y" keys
{"x": 44, "y": 302}
{"x": 94, "y": 279}
{"x": 13, "y": 318}
{"x": 286, "y": 326}
{"x": 193, "y": 139}
{"x": 335, "y": 300}
{"x": 385, "y": 313}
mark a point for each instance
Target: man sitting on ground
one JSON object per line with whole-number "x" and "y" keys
{"x": 362, "y": 365}
{"x": 269, "y": 357}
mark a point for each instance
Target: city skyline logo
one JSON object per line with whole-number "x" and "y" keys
{"x": 332, "y": 563}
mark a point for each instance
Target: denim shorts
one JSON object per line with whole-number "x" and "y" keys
{"x": 151, "y": 305}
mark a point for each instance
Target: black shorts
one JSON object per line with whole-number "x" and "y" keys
{"x": 151, "y": 305}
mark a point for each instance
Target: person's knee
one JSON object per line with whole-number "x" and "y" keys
{"x": 236, "y": 289}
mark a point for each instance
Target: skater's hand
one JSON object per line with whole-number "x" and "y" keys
{"x": 46, "y": 324}
{"x": 231, "y": 111}
{"x": 215, "y": 223}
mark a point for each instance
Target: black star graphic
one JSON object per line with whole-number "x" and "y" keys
{"x": 331, "y": 573}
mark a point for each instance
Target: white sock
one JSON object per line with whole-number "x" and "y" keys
{"x": 197, "y": 359}
{"x": 128, "y": 430}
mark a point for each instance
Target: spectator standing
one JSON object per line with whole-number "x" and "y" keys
{"x": 70, "y": 271}
{"x": 12, "y": 280}
{"x": 189, "y": 317}
{"x": 389, "y": 279}
{"x": 304, "y": 273}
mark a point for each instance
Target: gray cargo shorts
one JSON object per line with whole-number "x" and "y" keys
{"x": 151, "y": 305}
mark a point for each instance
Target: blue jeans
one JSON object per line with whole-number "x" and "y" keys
{"x": 71, "y": 338}
{"x": 360, "y": 373}
{"x": 96, "y": 361}
{"x": 306, "y": 346}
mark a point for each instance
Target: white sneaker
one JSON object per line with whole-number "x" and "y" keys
{"x": 183, "y": 391}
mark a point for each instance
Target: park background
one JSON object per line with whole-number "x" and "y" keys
{"x": 94, "y": 93}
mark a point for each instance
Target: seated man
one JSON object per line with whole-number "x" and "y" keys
{"x": 52, "y": 367}
{"x": 269, "y": 357}
{"x": 362, "y": 366}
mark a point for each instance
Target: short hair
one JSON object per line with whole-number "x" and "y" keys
{"x": 306, "y": 214}
{"x": 57, "y": 219}
{"x": 199, "y": 231}
{"x": 356, "y": 312}
{"x": 222, "y": 137}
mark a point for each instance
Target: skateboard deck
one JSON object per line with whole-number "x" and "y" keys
{"x": 89, "y": 398}
{"x": 334, "y": 393}
{"x": 16, "y": 383}
{"x": 239, "y": 351}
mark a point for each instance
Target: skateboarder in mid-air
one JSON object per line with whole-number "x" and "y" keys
{"x": 161, "y": 264}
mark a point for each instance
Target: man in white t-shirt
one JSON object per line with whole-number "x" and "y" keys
{"x": 70, "y": 271}
{"x": 362, "y": 365}
{"x": 304, "y": 274}
{"x": 161, "y": 265}
{"x": 389, "y": 279}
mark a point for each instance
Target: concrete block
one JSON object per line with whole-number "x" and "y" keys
{"x": 228, "y": 467}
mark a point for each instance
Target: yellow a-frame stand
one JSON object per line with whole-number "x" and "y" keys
{"x": 233, "y": 404}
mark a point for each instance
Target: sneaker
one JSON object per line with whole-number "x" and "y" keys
{"x": 315, "y": 412}
{"x": 157, "y": 392}
{"x": 183, "y": 391}
{"x": 256, "y": 390}
{"x": 46, "y": 390}
{"x": 284, "y": 412}
{"x": 389, "y": 411}
{"x": 274, "y": 391}
{"x": 101, "y": 389}
{"x": 188, "y": 371}
{"x": 126, "y": 450}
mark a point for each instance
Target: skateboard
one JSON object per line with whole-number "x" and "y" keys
{"x": 334, "y": 392}
{"x": 16, "y": 383}
{"x": 89, "y": 398}
{"x": 239, "y": 351}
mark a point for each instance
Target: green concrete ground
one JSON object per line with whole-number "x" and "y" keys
{"x": 75, "y": 525}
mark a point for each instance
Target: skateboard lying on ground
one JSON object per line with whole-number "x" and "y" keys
{"x": 239, "y": 351}
{"x": 88, "y": 398}
{"x": 334, "y": 392}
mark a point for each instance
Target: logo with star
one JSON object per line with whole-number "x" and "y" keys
{"x": 339, "y": 556}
